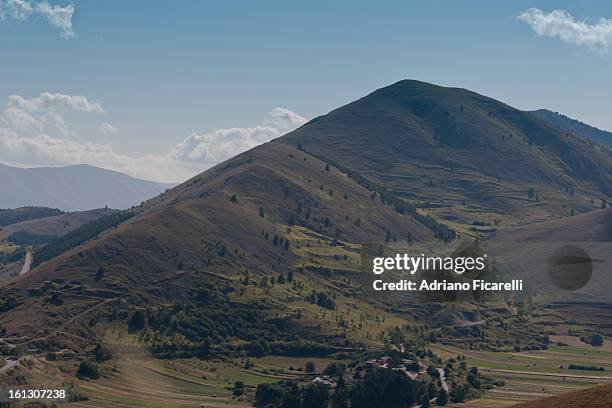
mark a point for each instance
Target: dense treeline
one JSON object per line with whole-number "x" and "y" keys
{"x": 7, "y": 303}
{"x": 14, "y": 256}
{"x": 13, "y": 216}
{"x": 28, "y": 238}
{"x": 321, "y": 299}
{"x": 585, "y": 367}
{"x": 440, "y": 231}
{"x": 379, "y": 388}
{"x": 82, "y": 234}
{"x": 211, "y": 322}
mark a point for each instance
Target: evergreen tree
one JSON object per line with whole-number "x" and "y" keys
{"x": 442, "y": 398}
{"x": 315, "y": 396}
{"x": 340, "y": 399}
{"x": 99, "y": 274}
{"x": 530, "y": 193}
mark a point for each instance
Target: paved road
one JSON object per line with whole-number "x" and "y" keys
{"x": 27, "y": 263}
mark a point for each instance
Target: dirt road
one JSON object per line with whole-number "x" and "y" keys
{"x": 27, "y": 263}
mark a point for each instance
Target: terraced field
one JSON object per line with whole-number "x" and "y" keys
{"x": 135, "y": 379}
{"x": 139, "y": 381}
{"x": 531, "y": 375}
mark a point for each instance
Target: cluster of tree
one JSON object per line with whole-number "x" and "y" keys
{"x": 210, "y": 322}
{"x": 465, "y": 384}
{"x": 13, "y": 216}
{"x": 287, "y": 394}
{"x": 7, "y": 303}
{"x": 440, "y": 231}
{"x": 586, "y": 368}
{"x": 594, "y": 339}
{"x": 27, "y": 238}
{"x": 321, "y": 299}
{"x": 239, "y": 387}
{"x": 14, "y": 256}
{"x": 101, "y": 352}
{"x": 379, "y": 388}
{"x": 295, "y": 348}
{"x": 284, "y": 243}
{"x": 82, "y": 234}
{"x": 88, "y": 369}
{"x": 462, "y": 332}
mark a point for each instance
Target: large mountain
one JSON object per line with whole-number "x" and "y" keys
{"x": 438, "y": 144}
{"x": 72, "y": 188}
{"x": 575, "y": 126}
{"x": 374, "y": 171}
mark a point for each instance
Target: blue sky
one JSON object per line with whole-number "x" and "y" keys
{"x": 182, "y": 85}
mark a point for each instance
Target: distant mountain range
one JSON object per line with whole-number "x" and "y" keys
{"x": 575, "y": 126}
{"x": 72, "y": 188}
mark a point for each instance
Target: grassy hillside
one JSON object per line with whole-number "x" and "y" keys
{"x": 598, "y": 397}
{"x": 589, "y": 227}
{"x": 32, "y": 235}
{"x": 455, "y": 148}
{"x": 13, "y": 216}
{"x": 261, "y": 255}
{"x": 272, "y": 211}
{"x": 55, "y": 225}
{"x": 575, "y": 126}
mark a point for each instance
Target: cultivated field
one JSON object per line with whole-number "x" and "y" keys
{"x": 531, "y": 375}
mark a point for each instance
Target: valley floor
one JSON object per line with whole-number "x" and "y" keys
{"x": 534, "y": 375}
{"x": 135, "y": 379}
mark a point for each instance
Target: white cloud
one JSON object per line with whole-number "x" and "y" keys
{"x": 18, "y": 9}
{"x": 560, "y": 23}
{"x": 107, "y": 129}
{"x": 57, "y": 16}
{"x": 45, "y": 150}
{"x": 19, "y": 119}
{"x": 221, "y": 144}
{"x": 47, "y": 101}
{"x": 46, "y": 111}
{"x": 195, "y": 154}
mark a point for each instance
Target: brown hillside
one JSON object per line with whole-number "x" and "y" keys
{"x": 197, "y": 227}
{"x": 279, "y": 208}
{"x": 54, "y": 226}
{"x": 598, "y": 397}
{"x": 588, "y": 227}
{"x": 437, "y": 144}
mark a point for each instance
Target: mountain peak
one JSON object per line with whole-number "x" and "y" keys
{"x": 426, "y": 141}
